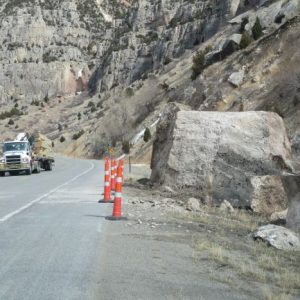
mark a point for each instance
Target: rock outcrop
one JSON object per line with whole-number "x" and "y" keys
{"x": 218, "y": 154}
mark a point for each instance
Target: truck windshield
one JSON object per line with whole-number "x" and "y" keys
{"x": 14, "y": 147}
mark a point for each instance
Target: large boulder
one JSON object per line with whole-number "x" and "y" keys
{"x": 292, "y": 188}
{"x": 215, "y": 154}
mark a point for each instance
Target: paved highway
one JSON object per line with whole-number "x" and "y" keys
{"x": 51, "y": 232}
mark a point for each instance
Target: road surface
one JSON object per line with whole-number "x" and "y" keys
{"x": 51, "y": 232}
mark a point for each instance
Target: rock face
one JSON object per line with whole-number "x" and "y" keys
{"x": 278, "y": 237}
{"x": 57, "y": 47}
{"x": 217, "y": 154}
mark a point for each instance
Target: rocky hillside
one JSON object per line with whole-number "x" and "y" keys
{"x": 125, "y": 59}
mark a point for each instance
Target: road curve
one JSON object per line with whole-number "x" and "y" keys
{"x": 51, "y": 232}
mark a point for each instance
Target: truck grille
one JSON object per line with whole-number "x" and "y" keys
{"x": 13, "y": 159}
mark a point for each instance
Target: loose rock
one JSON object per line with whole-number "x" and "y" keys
{"x": 278, "y": 237}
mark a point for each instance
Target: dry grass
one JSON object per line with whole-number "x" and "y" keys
{"x": 241, "y": 262}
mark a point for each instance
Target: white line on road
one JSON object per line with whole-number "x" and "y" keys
{"x": 19, "y": 210}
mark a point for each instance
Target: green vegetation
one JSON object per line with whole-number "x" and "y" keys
{"x": 126, "y": 147}
{"x": 147, "y": 135}
{"x": 11, "y": 122}
{"x": 47, "y": 57}
{"x": 8, "y": 114}
{"x": 129, "y": 92}
{"x": 77, "y": 135}
{"x": 62, "y": 139}
{"x": 257, "y": 30}
{"x": 198, "y": 64}
{"x": 246, "y": 40}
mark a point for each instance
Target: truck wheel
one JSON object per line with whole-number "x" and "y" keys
{"x": 49, "y": 166}
{"x": 29, "y": 171}
{"x": 2, "y": 174}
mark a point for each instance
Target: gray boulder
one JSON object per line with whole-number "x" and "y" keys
{"x": 215, "y": 154}
{"x": 292, "y": 188}
{"x": 278, "y": 237}
{"x": 237, "y": 78}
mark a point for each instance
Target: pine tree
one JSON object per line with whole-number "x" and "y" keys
{"x": 257, "y": 30}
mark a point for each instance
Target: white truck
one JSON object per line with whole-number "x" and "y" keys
{"x": 18, "y": 157}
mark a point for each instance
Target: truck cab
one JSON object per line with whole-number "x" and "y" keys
{"x": 17, "y": 157}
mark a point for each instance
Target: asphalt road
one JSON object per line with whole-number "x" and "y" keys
{"x": 51, "y": 232}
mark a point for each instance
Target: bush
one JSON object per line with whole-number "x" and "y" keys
{"x": 79, "y": 116}
{"x": 77, "y": 135}
{"x": 11, "y": 122}
{"x": 245, "y": 40}
{"x": 62, "y": 139}
{"x": 126, "y": 147}
{"x": 198, "y": 64}
{"x": 8, "y": 114}
{"x": 129, "y": 92}
{"x": 46, "y": 98}
{"x": 167, "y": 60}
{"x": 257, "y": 30}
{"x": 60, "y": 128}
{"x": 147, "y": 135}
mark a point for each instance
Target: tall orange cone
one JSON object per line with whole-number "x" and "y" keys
{"x": 117, "y": 209}
{"x": 107, "y": 190}
{"x": 113, "y": 175}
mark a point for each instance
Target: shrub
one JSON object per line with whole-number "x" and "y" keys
{"x": 147, "y": 135}
{"x": 60, "y": 128}
{"x": 62, "y": 139}
{"x": 46, "y": 98}
{"x": 245, "y": 40}
{"x": 257, "y": 31}
{"x": 126, "y": 147}
{"x": 77, "y": 135}
{"x": 129, "y": 92}
{"x": 79, "y": 116}
{"x": 198, "y": 64}
{"x": 91, "y": 104}
{"x": 167, "y": 60}
{"x": 11, "y": 122}
{"x": 8, "y": 114}
{"x": 93, "y": 109}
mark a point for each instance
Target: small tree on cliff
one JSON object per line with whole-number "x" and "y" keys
{"x": 147, "y": 135}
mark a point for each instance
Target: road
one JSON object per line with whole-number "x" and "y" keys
{"x": 51, "y": 232}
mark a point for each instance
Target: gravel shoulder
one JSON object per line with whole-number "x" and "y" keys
{"x": 165, "y": 251}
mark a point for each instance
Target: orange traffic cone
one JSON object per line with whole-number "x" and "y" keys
{"x": 113, "y": 175}
{"x": 117, "y": 209}
{"x": 107, "y": 198}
